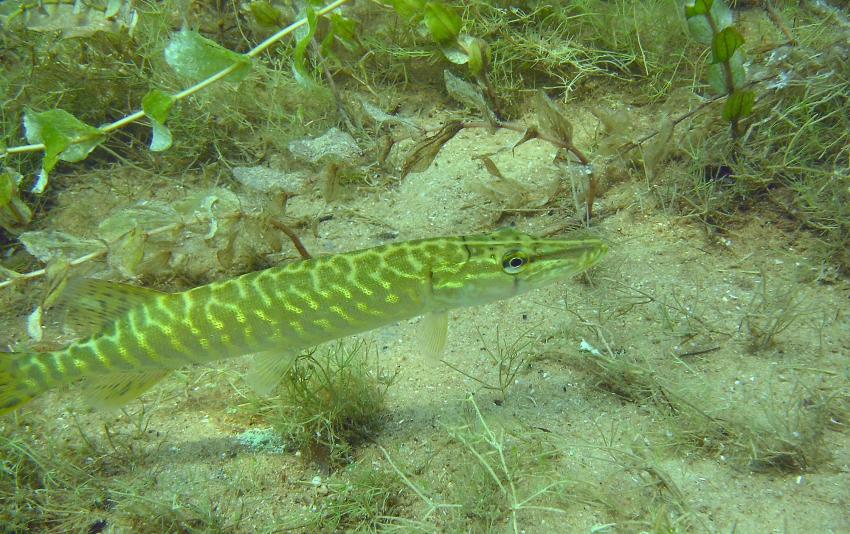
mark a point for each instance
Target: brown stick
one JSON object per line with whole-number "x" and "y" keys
{"x": 293, "y": 237}
{"x": 777, "y": 20}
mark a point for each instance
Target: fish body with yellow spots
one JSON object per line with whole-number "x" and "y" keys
{"x": 140, "y": 335}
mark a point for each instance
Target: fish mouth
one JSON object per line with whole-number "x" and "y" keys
{"x": 589, "y": 251}
{"x": 584, "y": 255}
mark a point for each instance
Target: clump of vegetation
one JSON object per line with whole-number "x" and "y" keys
{"x": 508, "y": 479}
{"x": 141, "y": 75}
{"x": 710, "y": 22}
{"x": 330, "y": 402}
{"x": 573, "y": 47}
{"x": 64, "y": 480}
{"x": 360, "y": 498}
{"x": 44, "y": 488}
{"x": 769, "y": 314}
{"x": 784, "y": 431}
{"x": 503, "y": 477}
{"x": 789, "y": 145}
{"x": 183, "y": 514}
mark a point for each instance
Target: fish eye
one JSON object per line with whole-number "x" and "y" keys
{"x": 514, "y": 262}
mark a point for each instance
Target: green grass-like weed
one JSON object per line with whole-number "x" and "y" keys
{"x": 508, "y": 357}
{"x": 788, "y": 433}
{"x": 126, "y": 441}
{"x": 44, "y": 489}
{"x": 635, "y": 490}
{"x": 512, "y": 479}
{"x": 783, "y": 430}
{"x": 503, "y": 476}
{"x": 632, "y": 378}
{"x": 789, "y": 158}
{"x": 362, "y": 497}
{"x": 567, "y": 46}
{"x": 769, "y": 314}
{"x": 563, "y": 47}
{"x": 328, "y": 403}
{"x": 180, "y": 514}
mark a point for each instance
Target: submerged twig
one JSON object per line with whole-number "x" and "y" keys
{"x": 293, "y": 237}
{"x": 537, "y": 134}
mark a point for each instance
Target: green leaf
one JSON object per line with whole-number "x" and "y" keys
{"x": 344, "y": 30}
{"x": 7, "y": 189}
{"x": 299, "y": 60}
{"x": 717, "y": 74}
{"x": 477, "y": 50}
{"x": 327, "y": 45}
{"x": 57, "y": 127}
{"x": 739, "y": 105}
{"x": 161, "y": 139}
{"x": 697, "y": 7}
{"x": 55, "y": 142}
{"x": 112, "y": 8}
{"x": 197, "y": 58}
{"x": 407, "y": 9}
{"x": 722, "y": 15}
{"x": 700, "y": 30}
{"x": 64, "y": 137}
{"x": 14, "y": 213}
{"x": 699, "y": 26}
{"x": 455, "y": 53}
{"x": 156, "y": 104}
{"x": 725, "y": 44}
{"x": 443, "y": 23}
{"x": 265, "y": 14}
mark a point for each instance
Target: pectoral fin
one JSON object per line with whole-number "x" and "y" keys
{"x": 267, "y": 370}
{"x": 432, "y": 334}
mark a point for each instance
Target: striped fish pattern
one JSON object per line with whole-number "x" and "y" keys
{"x": 139, "y": 335}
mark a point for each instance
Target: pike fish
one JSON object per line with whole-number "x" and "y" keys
{"x": 137, "y": 335}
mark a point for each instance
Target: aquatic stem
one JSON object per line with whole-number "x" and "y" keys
{"x": 138, "y": 115}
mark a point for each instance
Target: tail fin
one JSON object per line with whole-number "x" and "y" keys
{"x": 16, "y": 386}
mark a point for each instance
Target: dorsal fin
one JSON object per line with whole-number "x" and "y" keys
{"x": 89, "y": 304}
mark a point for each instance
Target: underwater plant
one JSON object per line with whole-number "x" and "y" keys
{"x": 62, "y": 136}
{"x": 360, "y": 498}
{"x": 327, "y": 404}
{"x": 710, "y": 22}
{"x": 14, "y": 212}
